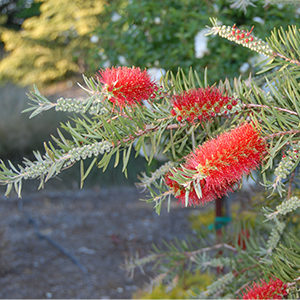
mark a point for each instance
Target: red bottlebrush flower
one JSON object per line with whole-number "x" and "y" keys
{"x": 275, "y": 289}
{"x": 201, "y": 103}
{"x": 221, "y": 163}
{"x": 126, "y": 86}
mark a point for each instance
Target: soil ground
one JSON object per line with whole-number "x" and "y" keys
{"x": 99, "y": 227}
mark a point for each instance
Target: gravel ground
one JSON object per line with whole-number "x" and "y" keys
{"x": 99, "y": 228}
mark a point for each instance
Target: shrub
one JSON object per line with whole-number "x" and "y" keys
{"x": 253, "y": 126}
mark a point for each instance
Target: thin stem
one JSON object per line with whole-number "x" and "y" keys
{"x": 268, "y": 107}
{"x": 215, "y": 247}
{"x": 289, "y": 194}
{"x": 149, "y": 128}
{"x": 294, "y": 131}
{"x": 293, "y": 61}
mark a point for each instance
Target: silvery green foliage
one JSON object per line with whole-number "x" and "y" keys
{"x": 217, "y": 287}
{"x": 285, "y": 207}
{"x": 275, "y": 235}
{"x": 287, "y": 164}
{"x": 204, "y": 262}
{"x": 242, "y": 4}
{"x": 147, "y": 181}
{"x": 50, "y": 164}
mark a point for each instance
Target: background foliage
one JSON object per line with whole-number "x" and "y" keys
{"x": 52, "y": 40}
{"x": 162, "y": 34}
{"x": 51, "y": 45}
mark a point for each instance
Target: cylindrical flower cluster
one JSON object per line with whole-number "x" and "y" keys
{"x": 274, "y": 289}
{"x": 126, "y": 86}
{"x": 80, "y": 106}
{"x": 203, "y": 104}
{"x": 244, "y": 38}
{"x": 221, "y": 163}
{"x": 40, "y": 168}
{"x": 288, "y": 161}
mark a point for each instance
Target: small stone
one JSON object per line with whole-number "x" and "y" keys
{"x": 85, "y": 250}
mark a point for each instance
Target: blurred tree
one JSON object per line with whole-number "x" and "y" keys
{"x": 170, "y": 34}
{"x": 14, "y": 12}
{"x": 52, "y": 45}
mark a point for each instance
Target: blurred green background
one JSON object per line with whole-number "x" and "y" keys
{"x": 50, "y": 43}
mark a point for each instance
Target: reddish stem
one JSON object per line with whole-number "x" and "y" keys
{"x": 281, "y": 133}
{"x": 274, "y": 107}
{"x": 293, "y": 61}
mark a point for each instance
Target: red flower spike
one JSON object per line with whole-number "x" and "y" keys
{"x": 242, "y": 35}
{"x": 237, "y": 37}
{"x": 238, "y": 31}
{"x": 173, "y": 112}
{"x": 251, "y": 38}
{"x": 233, "y": 32}
{"x": 192, "y": 116}
{"x": 229, "y": 106}
{"x": 199, "y": 103}
{"x": 223, "y": 162}
{"x": 234, "y": 102}
{"x": 126, "y": 86}
{"x": 179, "y": 118}
{"x": 246, "y": 40}
{"x": 274, "y": 289}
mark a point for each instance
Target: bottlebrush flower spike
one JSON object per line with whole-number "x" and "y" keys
{"x": 242, "y": 37}
{"x": 126, "y": 86}
{"x": 275, "y": 289}
{"x": 202, "y": 104}
{"x": 220, "y": 163}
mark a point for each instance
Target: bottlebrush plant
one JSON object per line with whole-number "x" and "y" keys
{"x": 211, "y": 136}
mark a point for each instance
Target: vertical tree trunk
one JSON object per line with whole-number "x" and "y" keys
{"x": 219, "y": 213}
